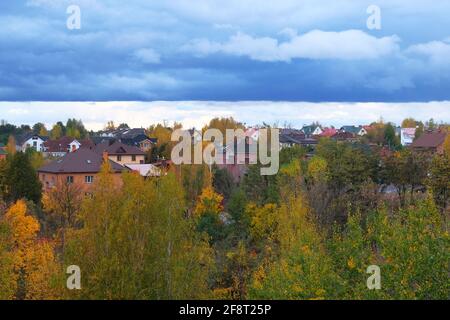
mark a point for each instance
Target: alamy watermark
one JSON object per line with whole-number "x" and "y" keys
{"x": 74, "y": 20}
{"x": 239, "y": 149}
{"x": 374, "y": 20}
{"x": 374, "y": 281}
{"x": 74, "y": 280}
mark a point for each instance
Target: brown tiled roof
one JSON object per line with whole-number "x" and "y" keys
{"x": 429, "y": 140}
{"x": 341, "y": 135}
{"x": 59, "y": 145}
{"x": 62, "y": 144}
{"x": 86, "y": 143}
{"x": 118, "y": 148}
{"x": 80, "y": 161}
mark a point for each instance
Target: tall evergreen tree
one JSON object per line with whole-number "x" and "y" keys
{"x": 22, "y": 180}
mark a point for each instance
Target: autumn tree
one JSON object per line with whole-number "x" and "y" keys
{"x": 207, "y": 212}
{"x": 410, "y": 247}
{"x": 63, "y": 204}
{"x": 447, "y": 145}
{"x": 409, "y": 123}
{"x": 56, "y": 132}
{"x": 110, "y": 126}
{"x": 11, "y": 146}
{"x": 302, "y": 269}
{"x": 34, "y": 267}
{"x": 36, "y": 158}
{"x": 136, "y": 243}
{"x": 223, "y": 124}
{"x": 164, "y": 145}
{"x": 8, "y": 286}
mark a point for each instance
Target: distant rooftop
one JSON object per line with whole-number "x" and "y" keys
{"x": 80, "y": 161}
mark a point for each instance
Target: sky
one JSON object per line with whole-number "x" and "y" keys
{"x": 310, "y": 51}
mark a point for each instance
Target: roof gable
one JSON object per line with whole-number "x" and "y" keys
{"x": 430, "y": 140}
{"x": 80, "y": 161}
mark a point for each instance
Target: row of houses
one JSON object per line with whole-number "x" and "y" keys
{"x": 308, "y": 136}
{"x": 59, "y": 147}
{"x": 82, "y": 165}
{"x": 79, "y": 161}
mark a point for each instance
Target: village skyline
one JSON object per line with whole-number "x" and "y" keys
{"x": 198, "y": 113}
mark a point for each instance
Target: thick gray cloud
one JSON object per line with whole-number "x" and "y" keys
{"x": 314, "y": 50}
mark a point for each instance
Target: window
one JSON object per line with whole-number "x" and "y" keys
{"x": 89, "y": 179}
{"x": 69, "y": 179}
{"x": 119, "y": 158}
{"x": 141, "y": 162}
{"x": 133, "y": 158}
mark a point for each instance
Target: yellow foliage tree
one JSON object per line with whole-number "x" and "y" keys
{"x": 43, "y": 132}
{"x": 263, "y": 221}
{"x": 56, "y": 132}
{"x": 318, "y": 169}
{"x": 447, "y": 145}
{"x": 302, "y": 270}
{"x": 409, "y": 123}
{"x": 33, "y": 261}
{"x": 209, "y": 201}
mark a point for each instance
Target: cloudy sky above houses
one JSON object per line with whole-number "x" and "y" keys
{"x": 295, "y": 50}
{"x": 237, "y": 50}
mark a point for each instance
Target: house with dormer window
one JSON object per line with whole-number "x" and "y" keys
{"x": 121, "y": 153}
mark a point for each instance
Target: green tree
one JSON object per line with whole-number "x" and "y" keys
{"x": 390, "y": 137}
{"x": 39, "y": 128}
{"x": 21, "y": 180}
{"x": 236, "y": 209}
{"x": 439, "y": 180}
{"x": 223, "y": 182}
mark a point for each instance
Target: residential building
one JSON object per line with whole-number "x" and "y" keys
{"x": 345, "y": 136}
{"x": 121, "y": 153}
{"x": 60, "y": 147}
{"x": 328, "y": 132}
{"x": 356, "y": 130}
{"x": 136, "y": 137}
{"x": 432, "y": 142}
{"x": 237, "y": 157}
{"x": 30, "y": 140}
{"x": 312, "y": 130}
{"x": 294, "y": 137}
{"x": 407, "y": 136}
{"x": 80, "y": 167}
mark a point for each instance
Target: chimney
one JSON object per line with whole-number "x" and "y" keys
{"x": 105, "y": 156}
